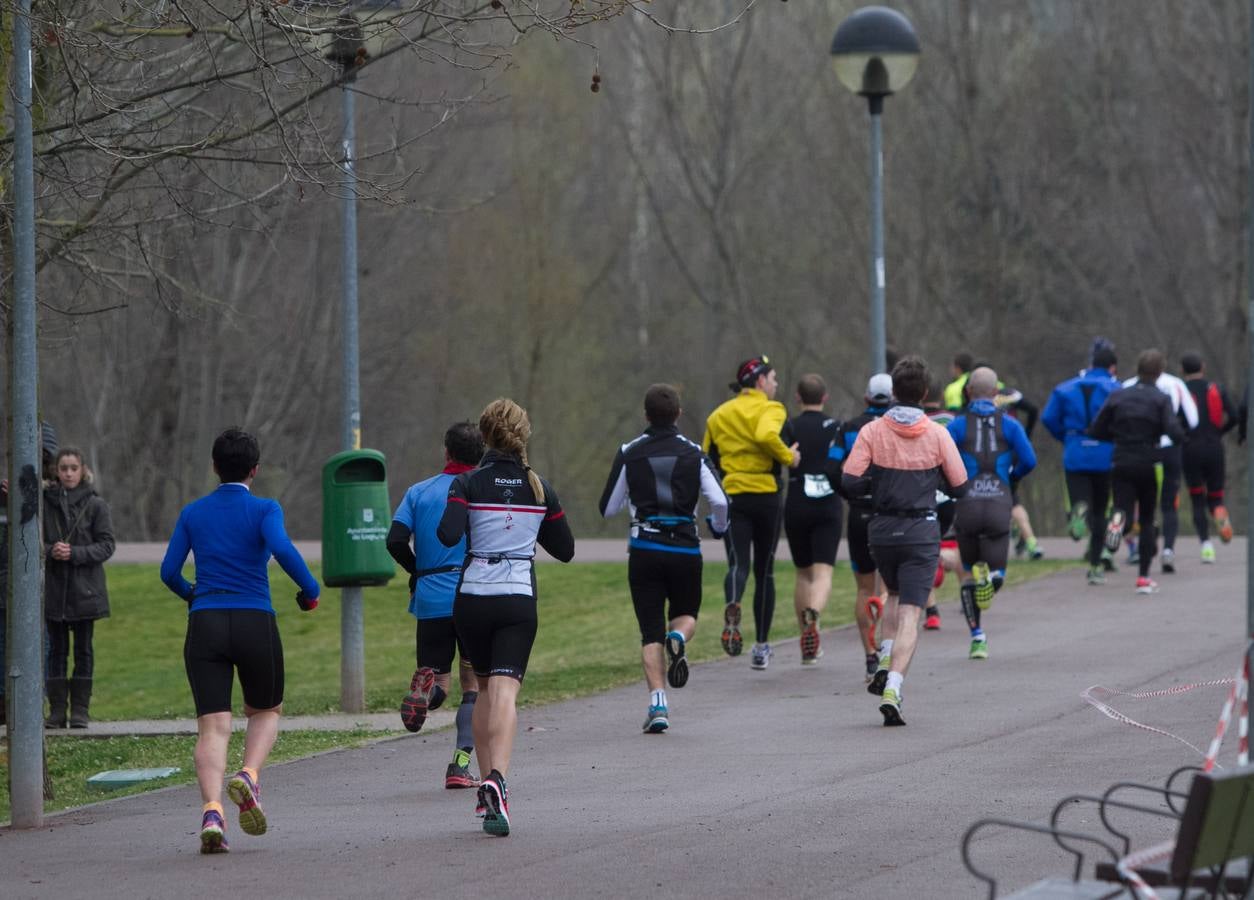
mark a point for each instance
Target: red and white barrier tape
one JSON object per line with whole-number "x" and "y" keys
{"x": 1238, "y": 691}
{"x": 1129, "y": 864}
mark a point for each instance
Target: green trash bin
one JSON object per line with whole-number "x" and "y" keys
{"x": 356, "y": 517}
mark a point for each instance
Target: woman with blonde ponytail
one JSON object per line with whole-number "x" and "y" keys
{"x": 504, "y": 509}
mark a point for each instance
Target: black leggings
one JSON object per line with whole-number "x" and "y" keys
{"x": 59, "y": 648}
{"x": 1169, "y": 496}
{"x": 755, "y": 521}
{"x": 1092, "y": 488}
{"x": 1136, "y": 487}
{"x": 1204, "y": 472}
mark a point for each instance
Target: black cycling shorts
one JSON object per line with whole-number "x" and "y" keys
{"x": 497, "y": 632}
{"x": 656, "y": 576}
{"x": 908, "y": 570}
{"x": 436, "y": 641}
{"x": 220, "y": 642}
{"x": 983, "y": 529}
{"x": 860, "y": 557}
{"x": 813, "y": 532}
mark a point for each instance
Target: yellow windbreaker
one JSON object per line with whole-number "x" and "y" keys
{"x": 742, "y": 436}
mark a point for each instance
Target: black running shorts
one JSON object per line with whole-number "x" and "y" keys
{"x": 860, "y": 557}
{"x": 983, "y": 530}
{"x": 221, "y": 642}
{"x": 908, "y": 570}
{"x": 656, "y": 576}
{"x": 436, "y": 641}
{"x": 497, "y": 632}
{"x": 813, "y": 532}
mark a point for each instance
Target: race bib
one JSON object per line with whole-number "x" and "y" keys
{"x": 817, "y": 487}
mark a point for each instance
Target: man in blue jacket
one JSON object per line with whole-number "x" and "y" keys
{"x": 997, "y": 453}
{"x": 231, "y": 627}
{"x": 1072, "y": 407}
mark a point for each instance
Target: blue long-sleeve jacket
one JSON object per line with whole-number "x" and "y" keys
{"x": 1013, "y": 463}
{"x": 233, "y": 535}
{"x": 1072, "y": 407}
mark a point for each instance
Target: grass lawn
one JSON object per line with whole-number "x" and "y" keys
{"x": 587, "y": 642}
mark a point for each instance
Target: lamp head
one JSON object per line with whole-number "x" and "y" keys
{"x": 875, "y": 51}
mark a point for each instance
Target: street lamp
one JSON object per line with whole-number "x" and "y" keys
{"x": 875, "y": 52}
{"x": 348, "y": 34}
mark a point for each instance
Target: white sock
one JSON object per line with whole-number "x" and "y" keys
{"x": 886, "y": 647}
{"x": 658, "y": 698}
{"x": 894, "y": 682}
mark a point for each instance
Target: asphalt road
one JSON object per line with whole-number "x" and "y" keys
{"x": 776, "y": 783}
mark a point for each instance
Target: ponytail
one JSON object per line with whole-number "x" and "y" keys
{"x": 506, "y": 427}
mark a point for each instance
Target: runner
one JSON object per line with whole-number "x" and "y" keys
{"x": 1204, "y": 454}
{"x": 867, "y": 604}
{"x": 812, "y": 510}
{"x": 433, "y": 572}
{"x": 1171, "y": 466}
{"x": 502, "y": 509}
{"x": 660, "y": 476}
{"x": 997, "y": 454}
{"x": 742, "y": 438}
{"x": 1135, "y": 419}
{"x": 960, "y": 367}
{"x": 231, "y": 627}
{"x": 1071, "y": 408}
{"x": 902, "y": 459}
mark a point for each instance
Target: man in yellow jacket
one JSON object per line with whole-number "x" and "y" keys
{"x": 742, "y": 439}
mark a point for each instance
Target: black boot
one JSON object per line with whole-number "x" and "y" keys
{"x": 58, "y": 691}
{"x": 80, "y": 700}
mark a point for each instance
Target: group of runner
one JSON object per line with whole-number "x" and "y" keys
{"x": 930, "y": 487}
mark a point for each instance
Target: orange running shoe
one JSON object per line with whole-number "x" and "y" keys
{"x": 1223, "y": 523}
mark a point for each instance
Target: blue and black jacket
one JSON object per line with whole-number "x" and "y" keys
{"x": 1072, "y": 407}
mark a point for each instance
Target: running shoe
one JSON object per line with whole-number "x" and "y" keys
{"x": 1096, "y": 576}
{"x": 809, "y": 637}
{"x": 1114, "y": 533}
{"x": 1208, "y": 553}
{"x": 1108, "y": 561}
{"x": 932, "y": 622}
{"x": 481, "y": 805}
{"x": 872, "y": 665}
{"x": 1169, "y": 560}
{"x": 245, "y": 794}
{"x": 732, "y": 644}
{"x": 760, "y": 658}
{"x": 1034, "y": 550}
{"x": 414, "y": 706}
{"x": 890, "y": 707}
{"x": 879, "y": 680}
{"x": 213, "y": 833}
{"x": 657, "y": 721}
{"x": 1078, "y": 523}
{"x": 1223, "y": 523}
{"x": 984, "y": 589}
{"x": 458, "y": 774}
{"x": 495, "y": 804}
{"x": 676, "y": 660}
{"x": 1146, "y": 585}
{"x": 814, "y": 660}
{"x": 979, "y": 648}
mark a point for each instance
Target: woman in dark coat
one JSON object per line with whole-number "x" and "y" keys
{"x": 78, "y": 535}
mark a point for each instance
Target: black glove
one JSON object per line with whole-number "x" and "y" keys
{"x": 305, "y": 602}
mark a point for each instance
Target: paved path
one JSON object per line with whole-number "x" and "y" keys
{"x": 780, "y": 783}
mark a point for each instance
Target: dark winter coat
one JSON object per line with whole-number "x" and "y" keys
{"x": 74, "y": 590}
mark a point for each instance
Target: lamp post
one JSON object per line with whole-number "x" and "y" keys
{"x": 358, "y": 33}
{"x": 875, "y": 52}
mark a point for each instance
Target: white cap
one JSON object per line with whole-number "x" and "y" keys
{"x": 880, "y": 388}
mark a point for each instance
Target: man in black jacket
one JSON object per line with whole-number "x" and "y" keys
{"x": 1134, "y": 419}
{"x": 660, "y": 476}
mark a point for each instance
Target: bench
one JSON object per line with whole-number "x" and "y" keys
{"x": 1214, "y": 831}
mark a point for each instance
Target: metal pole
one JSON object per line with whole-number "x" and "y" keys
{"x": 1249, "y": 321}
{"x": 352, "y": 629}
{"x": 879, "y": 355}
{"x": 25, "y": 622}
